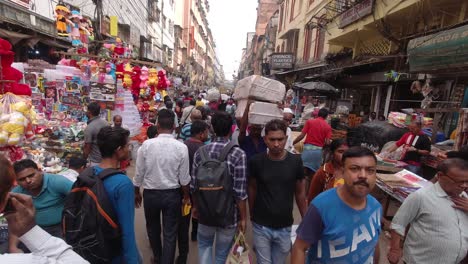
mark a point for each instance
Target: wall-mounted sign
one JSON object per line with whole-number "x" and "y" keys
{"x": 282, "y": 61}
{"x": 444, "y": 50}
{"x": 356, "y": 12}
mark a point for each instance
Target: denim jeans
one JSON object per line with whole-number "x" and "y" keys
{"x": 272, "y": 246}
{"x": 167, "y": 202}
{"x": 206, "y": 241}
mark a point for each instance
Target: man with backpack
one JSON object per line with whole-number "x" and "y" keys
{"x": 162, "y": 169}
{"x": 219, "y": 184}
{"x": 276, "y": 177}
{"x": 99, "y": 213}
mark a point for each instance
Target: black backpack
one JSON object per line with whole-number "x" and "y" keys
{"x": 89, "y": 222}
{"x": 214, "y": 189}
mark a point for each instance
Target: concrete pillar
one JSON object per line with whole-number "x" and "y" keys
{"x": 387, "y": 100}
{"x": 378, "y": 95}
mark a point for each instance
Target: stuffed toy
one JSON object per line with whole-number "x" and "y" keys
{"x": 152, "y": 81}
{"x": 110, "y": 69}
{"x": 61, "y": 20}
{"x": 119, "y": 71}
{"x": 128, "y": 75}
{"x": 144, "y": 78}
{"x": 119, "y": 50}
{"x": 84, "y": 31}
{"x": 162, "y": 83}
{"x": 11, "y": 74}
{"x": 102, "y": 71}
{"x": 76, "y": 24}
{"x": 136, "y": 82}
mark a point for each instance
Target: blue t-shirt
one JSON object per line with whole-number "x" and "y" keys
{"x": 121, "y": 194}
{"x": 50, "y": 201}
{"x": 338, "y": 233}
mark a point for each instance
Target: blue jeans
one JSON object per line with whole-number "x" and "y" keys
{"x": 206, "y": 239}
{"x": 271, "y": 245}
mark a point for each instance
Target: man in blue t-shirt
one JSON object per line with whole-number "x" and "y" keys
{"x": 113, "y": 145}
{"x": 342, "y": 225}
{"x": 48, "y": 192}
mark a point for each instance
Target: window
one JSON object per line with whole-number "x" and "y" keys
{"x": 171, "y": 27}
{"x": 307, "y": 43}
{"x": 164, "y": 21}
{"x": 293, "y": 4}
{"x": 319, "y": 42}
{"x": 280, "y": 25}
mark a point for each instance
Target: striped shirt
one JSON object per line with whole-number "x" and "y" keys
{"x": 237, "y": 165}
{"x": 438, "y": 232}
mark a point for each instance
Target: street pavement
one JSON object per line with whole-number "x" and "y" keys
{"x": 145, "y": 250}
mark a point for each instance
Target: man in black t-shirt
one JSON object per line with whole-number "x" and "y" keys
{"x": 275, "y": 178}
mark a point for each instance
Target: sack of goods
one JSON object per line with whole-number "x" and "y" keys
{"x": 213, "y": 95}
{"x": 267, "y": 92}
{"x": 261, "y": 113}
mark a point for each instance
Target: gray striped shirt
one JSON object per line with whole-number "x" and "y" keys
{"x": 438, "y": 232}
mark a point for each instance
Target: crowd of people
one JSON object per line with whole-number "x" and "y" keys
{"x": 202, "y": 174}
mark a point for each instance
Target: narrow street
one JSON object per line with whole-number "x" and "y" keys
{"x": 145, "y": 249}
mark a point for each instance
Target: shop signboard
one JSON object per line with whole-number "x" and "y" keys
{"x": 282, "y": 61}
{"x": 358, "y": 11}
{"x": 444, "y": 50}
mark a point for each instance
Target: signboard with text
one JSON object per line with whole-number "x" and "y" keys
{"x": 443, "y": 50}
{"x": 282, "y": 61}
{"x": 356, "y": 12}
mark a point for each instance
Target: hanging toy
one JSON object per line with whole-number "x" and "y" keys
{"x": 75, "y": 33}
{"x": 102, "y": 71}
{"x": 61, "y": 20}
{"x": 119, "y": 71}
{"x": 162, "y": 82}
{"x": 136, "y": 83}
{"x": 127, "y": 75}
{"x": 110, "y": 69}
{"x": 144, "y": 77}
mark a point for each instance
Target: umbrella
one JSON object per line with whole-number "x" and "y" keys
{"x": 318, "y": 86}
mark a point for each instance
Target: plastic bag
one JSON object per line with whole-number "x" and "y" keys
{"x": 240, "y": 251}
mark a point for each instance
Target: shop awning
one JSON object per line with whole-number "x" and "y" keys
{"x": 13, "y": 37}
{"x": 317, "y": 86}
{"x": 443, "y": 50}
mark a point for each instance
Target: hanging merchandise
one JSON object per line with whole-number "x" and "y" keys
{"x": 144, "y": 91}
{"x": 128, "y": 110}
{"x": 61, "y": 15}
{"x": 162, "y": 83}
{"x": 136, "y": 83}
{"x": 9, "y": 76}
{"x": 76, "y": 27}
{"x": 16, "y": 119}
{"x": 128, "y": 71}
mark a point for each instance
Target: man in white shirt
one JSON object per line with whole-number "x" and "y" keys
{"x": 162, "y": 169}
{"x": 45, "y": 248}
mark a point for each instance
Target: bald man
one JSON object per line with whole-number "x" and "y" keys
{"x": 185, "y": 132}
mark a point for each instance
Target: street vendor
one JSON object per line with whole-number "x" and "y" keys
{"x": 416, "y": 145}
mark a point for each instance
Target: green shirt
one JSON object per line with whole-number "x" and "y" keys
{"x": 49, "y": 203}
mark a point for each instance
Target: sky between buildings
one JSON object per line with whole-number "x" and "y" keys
{"x": 230, "y": 20}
